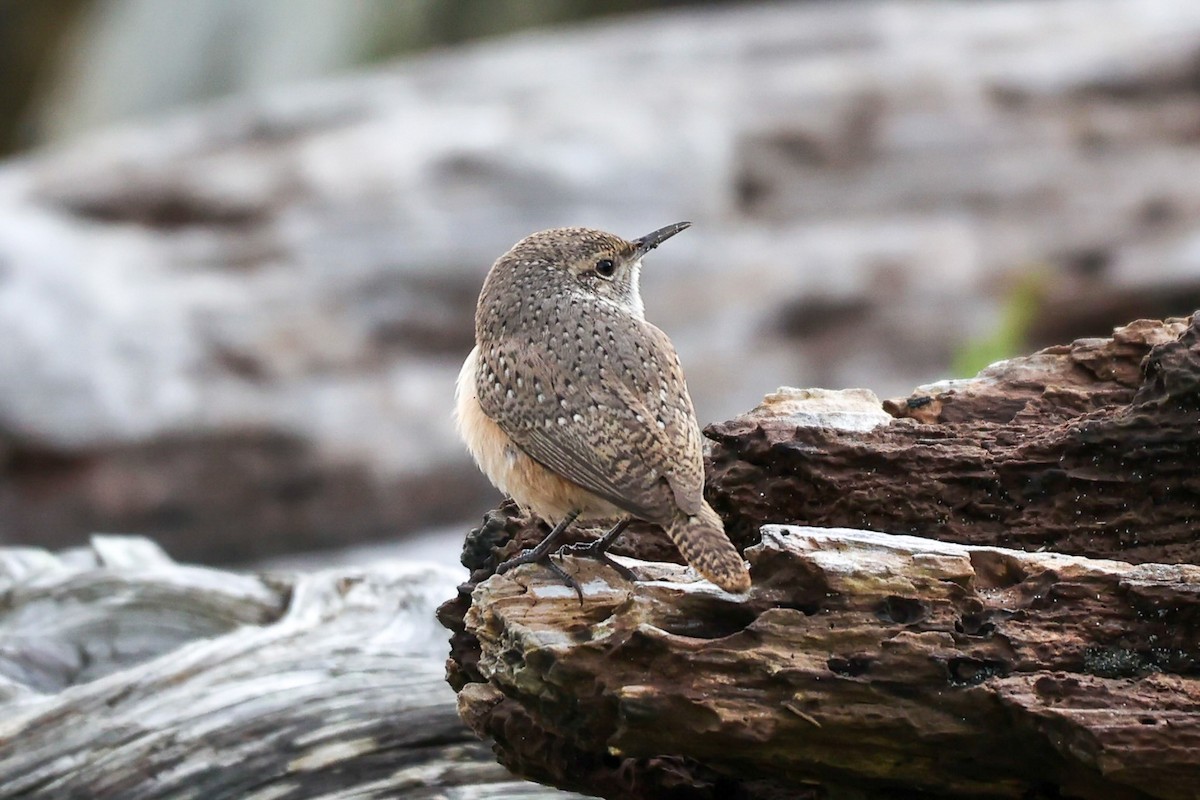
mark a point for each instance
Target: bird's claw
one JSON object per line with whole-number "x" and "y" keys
{"x": 566, "y": 578}
{"x": 532, "y": 556}
{"x": 596, "y": 550}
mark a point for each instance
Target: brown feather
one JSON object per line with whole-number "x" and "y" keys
{"x": 611, "y": 414}
{"x": 702, "y": 541}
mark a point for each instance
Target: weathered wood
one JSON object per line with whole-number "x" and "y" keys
{"x": 124, "y": 675}
{"x": 864, "y": 662}
{"x": 1074, "y": 448}
{"x": 860, "y": 661}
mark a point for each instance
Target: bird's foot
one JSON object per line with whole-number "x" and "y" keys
{"x": 533, "y": 556}
{"x": 599, "y": 550}
{"x": 595, "y": 550}
{"x": 541, "y": 555}
{"x": 528, "y": 556}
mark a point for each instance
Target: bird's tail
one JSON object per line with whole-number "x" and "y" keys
{"x": 702, "y": 541}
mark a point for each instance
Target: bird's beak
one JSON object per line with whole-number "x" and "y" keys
{"x": 652, "y": 240}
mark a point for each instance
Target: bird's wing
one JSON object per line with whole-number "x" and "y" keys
{"x": 606, "y": 408}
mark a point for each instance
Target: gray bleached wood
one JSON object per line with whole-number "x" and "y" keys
{"x": 125, "y": 675}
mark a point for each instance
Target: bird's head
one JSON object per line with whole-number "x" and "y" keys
{"x": 581, "y": 261}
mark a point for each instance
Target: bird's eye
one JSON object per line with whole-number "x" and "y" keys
{"x": 605, "y": 268}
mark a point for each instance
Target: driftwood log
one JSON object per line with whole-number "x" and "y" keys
{"x": 864, "y": 664}
{"x": 125, "y": 676}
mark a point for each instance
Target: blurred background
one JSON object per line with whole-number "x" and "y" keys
{"x": 241, "y": 240}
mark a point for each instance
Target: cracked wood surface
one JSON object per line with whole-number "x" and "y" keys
{"x": 859, "y": 661}
{"x": 1089, "y": 448}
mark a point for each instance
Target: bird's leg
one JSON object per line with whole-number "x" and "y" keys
{"x": 541, "y": 554}
{"x": 542, "y": 551}
{"x": 599, "y": 549}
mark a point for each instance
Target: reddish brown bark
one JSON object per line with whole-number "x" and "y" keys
{"x": 1071, "y": 449}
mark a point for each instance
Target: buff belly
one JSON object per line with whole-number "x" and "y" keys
{"x": 510, "y": 470}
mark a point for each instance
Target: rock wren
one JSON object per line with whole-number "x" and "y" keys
{"x": 575, "y": 406}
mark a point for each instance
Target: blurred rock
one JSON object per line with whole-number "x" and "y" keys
{"x": 256, "y": 311}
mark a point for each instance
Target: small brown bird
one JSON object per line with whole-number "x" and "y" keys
{"x": 575, "y": 406}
